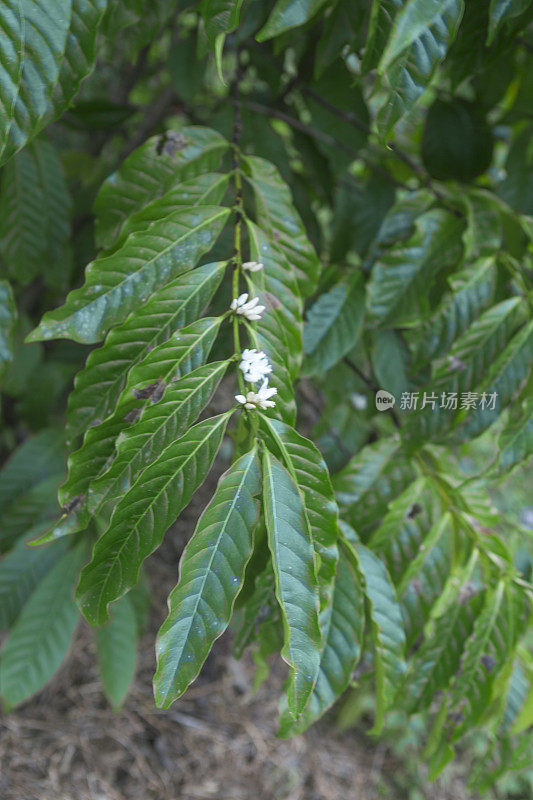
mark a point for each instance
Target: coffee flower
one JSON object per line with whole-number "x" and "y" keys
{"x": 252, "y": 266}
{"x": 254, "y": 365}
{"x": 260, "y": 399}
{"x": 247, "y": 308}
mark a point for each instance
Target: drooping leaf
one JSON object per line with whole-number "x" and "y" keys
{"x": 493, "y": 637}
{"x": 20, "y": 572}
{"x": 387, "y": 629}
{"x": 117, "y": 284}
{"x": 220, "y": 17}
{"x": 333, "y": 324}
{"x": 439, "y": 655}
{"x": 296, "y": 584}
{"x": 309, "y": 471}
{"x": 27, "y": 484}
{"x": 41, "y": 635}
{"x": 143, "y": 515}
{"x": 22, "y": 222}
{"x": 98, "y": 386}
{"x": 343, "y": 635}
{"x": 422, "y": 32}
{"x": 211, "y": 575}
{"x": 117, "y": 651}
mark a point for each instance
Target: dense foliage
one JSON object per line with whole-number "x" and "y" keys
{"x": 288, "y": 208}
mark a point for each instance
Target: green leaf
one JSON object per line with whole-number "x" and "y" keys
{"x": 370, "y": 480}
{"x": 159, "y": 425}
{"x": 27, "y": 483}
{"x": 310, "y": 473}
{"x": 403, "y": 531}
{"x": 146, "y": 383}
{"x": 117, "y": 284}
{"x": 32, "y": 49}
{"x": 390, "y": 360}
{"x": 398, "y": 290}
{"x": 98, "y": 386}
{"x": 277, "y": 216}
{"x": 288, "y": 14}
{"x": 501, "y": 11}
{"x": 117, "y": 651}
{"x": 220, "y": 18}
{"x": 472, "y": 291}
{"x": 211, "y": 575}
{"x": 20, "y": 571}
{"x": 34, "y": 212}
{"x": 425, "y": 581}
{"x": 412, "y": 22}
{"x": 156, "y": 167}
{"x": 343, "y": 634}
{"x": 143, "y": 515}
{"x": 207, "y": 189}
{"x": 296, "y": 584}
{"x": 486, "y": 650}
{"x": 44, "y": 57}
{"x": 387, "y": 629}
{"x": 506, "y": 377}
{"x": 41, "y": 635}
{"x": 515, "y": 445}
{"x": 422, "y": 33}
{"x": 8, "y": 318}
{"x": 333, "y": 324}
{"x": 439, "y": 655}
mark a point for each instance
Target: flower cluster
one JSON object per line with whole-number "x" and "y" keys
{"x": 247, "y": 308}
{"x": 260, "y": 399}
{"x": 254, "y": 365}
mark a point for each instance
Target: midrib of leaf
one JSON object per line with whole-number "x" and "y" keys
{"x": 135, "y": 529}
{"x": 222, "y": 533}
{"x": 145, "y": 346}
{"x": 44, "y": 331}
{"x": 122, "y": 446}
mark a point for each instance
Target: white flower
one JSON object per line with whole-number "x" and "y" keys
{"x": 253, "y": 266}
{"x": 260, "y": 399}
{"x": 254, "y": 365}
{"x": 247, "y": 308}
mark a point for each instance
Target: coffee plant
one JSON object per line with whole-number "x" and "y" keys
{"x": 311, "y": 256}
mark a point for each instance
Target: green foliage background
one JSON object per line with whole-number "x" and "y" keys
{"x": 376, "y": 158}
